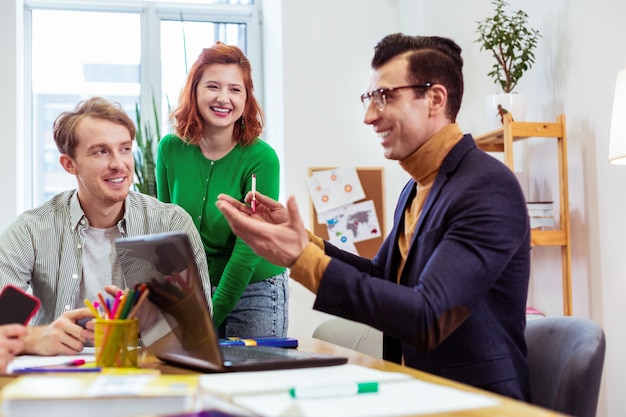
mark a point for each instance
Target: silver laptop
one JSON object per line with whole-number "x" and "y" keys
{"x": 176, "y": 326}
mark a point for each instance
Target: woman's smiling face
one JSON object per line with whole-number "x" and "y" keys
{"x": 221, "y": 95}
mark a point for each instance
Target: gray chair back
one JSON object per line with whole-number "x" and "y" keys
{"x": 352, "y": 335}
{"x": 565, "y": 358}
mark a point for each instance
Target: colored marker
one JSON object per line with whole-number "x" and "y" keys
{"x": 74, "y": 362}
{"x": 129, "y": 297}
{"x": 105, "y": 306}
{"x": 331, "y": 390}
{"x": 91, "y": 308}
{"x": 135, "y": 308}
{"x": 253, "y": 202}
{"x": 116, "y": 303}
{"x": 45, "y": 370}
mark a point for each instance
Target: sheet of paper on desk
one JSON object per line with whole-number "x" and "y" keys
{"x": 233, "y": 384}
{"x": 33, "y": 361}
{"x": 399, "y": 394}
{"x": 393, "y": 399}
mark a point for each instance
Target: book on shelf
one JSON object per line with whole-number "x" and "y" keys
{"x": 276, "y": 393}
{"x": 95, "y": 395}
{"x": 540, "y": 214}
{"x": 539, "y": 205}
{"x": 541, "y": 222}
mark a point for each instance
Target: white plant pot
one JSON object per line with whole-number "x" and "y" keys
{"x": 515, "y": 103}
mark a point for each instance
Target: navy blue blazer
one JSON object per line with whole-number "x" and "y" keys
{"x": 460, "y": 309}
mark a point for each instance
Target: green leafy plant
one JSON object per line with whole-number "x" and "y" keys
{"x": 511, "y": 42}
{"x": 147, "y": 139}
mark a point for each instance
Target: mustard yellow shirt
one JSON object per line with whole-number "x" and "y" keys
{"x": 423, "y": 166}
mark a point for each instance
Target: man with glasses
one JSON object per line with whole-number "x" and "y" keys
{"x": 448, "y": 286}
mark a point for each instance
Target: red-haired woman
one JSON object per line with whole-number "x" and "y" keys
{"x": 215, "y": 148}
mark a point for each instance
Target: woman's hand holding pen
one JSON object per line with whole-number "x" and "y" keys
{"x": 276, "y": 233}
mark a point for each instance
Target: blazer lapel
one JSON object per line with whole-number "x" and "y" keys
{"x": 448, "y": 166}
{"x": 407, "y": 195}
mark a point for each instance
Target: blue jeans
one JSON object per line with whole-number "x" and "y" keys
{"x": 262, "y": 310}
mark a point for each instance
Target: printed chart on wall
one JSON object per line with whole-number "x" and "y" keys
{"x": 347, "y": 207}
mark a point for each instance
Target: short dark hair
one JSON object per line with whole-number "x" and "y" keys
{"x": 431, "y": 59}
{"x": 64, "y": 128}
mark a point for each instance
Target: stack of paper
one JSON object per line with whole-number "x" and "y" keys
{"x": 99, "y": 395}
{"x": 540, "y": 214}
{"x": 267, "y": 393}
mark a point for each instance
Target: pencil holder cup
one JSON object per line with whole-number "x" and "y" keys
{"x": 116, "y": 343}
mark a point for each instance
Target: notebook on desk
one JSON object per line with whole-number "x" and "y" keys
{"x": 176, "y": 326}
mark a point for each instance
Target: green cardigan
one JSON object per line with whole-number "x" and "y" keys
{"x": 187, "y": 178}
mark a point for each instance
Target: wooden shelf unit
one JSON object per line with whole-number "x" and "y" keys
{"x": 501, "y": 140}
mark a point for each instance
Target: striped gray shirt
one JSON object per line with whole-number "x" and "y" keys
{"x": 42, "y": 248}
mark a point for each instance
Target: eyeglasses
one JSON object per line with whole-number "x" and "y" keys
{"x": 379, "y": 96}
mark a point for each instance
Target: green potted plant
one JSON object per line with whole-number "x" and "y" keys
{"x": 512, "y": 44}
{"x": 147, "y": 140}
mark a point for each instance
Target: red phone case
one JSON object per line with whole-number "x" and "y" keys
{"x": 16, "y": 306}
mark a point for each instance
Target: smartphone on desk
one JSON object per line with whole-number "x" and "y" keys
{"x": 16, "y": 306}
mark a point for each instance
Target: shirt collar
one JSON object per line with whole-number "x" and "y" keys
{"x": 78, "y": 218}
{"x": 424, "y": 163}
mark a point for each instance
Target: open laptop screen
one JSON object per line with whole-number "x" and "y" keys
{"x": 177, "y": 319}
{"x": 176, "y": 325}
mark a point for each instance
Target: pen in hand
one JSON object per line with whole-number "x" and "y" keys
{"x": 253, "y": 202}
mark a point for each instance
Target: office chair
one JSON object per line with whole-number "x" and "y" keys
{"x": 352, "y": 335}
{"x": 565, "y": 357}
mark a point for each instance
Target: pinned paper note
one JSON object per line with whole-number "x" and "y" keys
{"x": 352, "y": 223}
{"x": 334, "y": 188}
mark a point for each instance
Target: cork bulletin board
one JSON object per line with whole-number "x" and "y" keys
{"x": 372, "y": 181}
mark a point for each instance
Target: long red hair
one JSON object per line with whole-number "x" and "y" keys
{"x": 188, "y": 124}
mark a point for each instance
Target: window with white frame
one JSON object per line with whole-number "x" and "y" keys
{"x": 128, "y": 51}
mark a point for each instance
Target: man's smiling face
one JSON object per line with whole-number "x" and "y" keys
{"x": 102, "y": 163}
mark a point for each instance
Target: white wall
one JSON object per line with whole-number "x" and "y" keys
{"x": 316, "y": 64}
{"x": 11, "y": 114}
